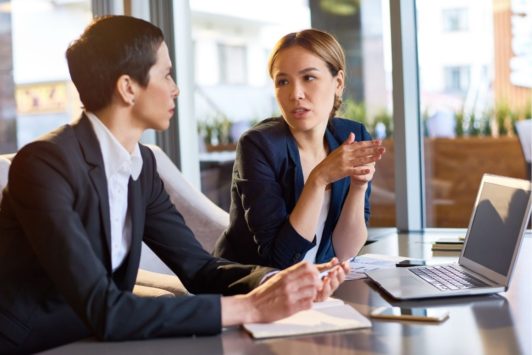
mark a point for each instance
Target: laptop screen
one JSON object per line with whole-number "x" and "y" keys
{"x": 495, "y": 228}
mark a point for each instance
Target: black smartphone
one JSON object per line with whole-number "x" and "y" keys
{"x": 410, "y": 262}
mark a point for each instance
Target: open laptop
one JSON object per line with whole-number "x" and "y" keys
{"x": 495, "y": 232}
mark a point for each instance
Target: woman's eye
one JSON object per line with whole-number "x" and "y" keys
{"x": 282, "y": 82}
{"x": 309, "y": 77}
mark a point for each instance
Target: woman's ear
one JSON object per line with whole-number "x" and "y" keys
{"x": 126, "y": 89}
{"x": 340, "y": 83}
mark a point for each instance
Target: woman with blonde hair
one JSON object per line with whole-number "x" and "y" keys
{"x": 301, "y": 182}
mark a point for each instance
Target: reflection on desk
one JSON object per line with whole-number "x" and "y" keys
{"x": 496, "y": 324}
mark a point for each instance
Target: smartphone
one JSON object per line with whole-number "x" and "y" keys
{"x": 419, "y": 314}
{"x": 410, "y": 262}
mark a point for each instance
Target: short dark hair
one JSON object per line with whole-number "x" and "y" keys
{"x": 109, "y": 47}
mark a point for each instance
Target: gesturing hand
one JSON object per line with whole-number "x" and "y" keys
{"x": 354, "y": 159}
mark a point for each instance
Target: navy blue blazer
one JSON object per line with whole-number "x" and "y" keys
{"x": 267, "y": 183}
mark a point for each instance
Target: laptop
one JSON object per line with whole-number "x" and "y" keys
{"x": 498, "y": 222}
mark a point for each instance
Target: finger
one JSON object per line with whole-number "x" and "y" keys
{"x": 325, "y": 291}
{"x": 345, "y": 266}
{"x": 350, "y": 138}
{"x": 366, "y": 151}
{"x": 325, "y": 266}
{"x": 362, "y": 170}
{"x": 365, "y": 144}
{"x": 364, "y": 160}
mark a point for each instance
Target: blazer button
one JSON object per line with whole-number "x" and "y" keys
{"x": 297, "y": 256}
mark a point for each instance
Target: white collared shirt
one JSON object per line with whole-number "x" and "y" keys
{"x": 119, "y": 166}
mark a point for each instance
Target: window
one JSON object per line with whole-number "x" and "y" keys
{"x": 35, "y": 35}
{"x": 468, "y": 103}
{"x": 455, "y": 20}
{"x": 456, "y": 78}
{"x": 232, "y": 64}
{"x": 233, "y": 41}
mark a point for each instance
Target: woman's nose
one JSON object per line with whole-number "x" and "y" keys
{"x": 175, "y": 91}
{"x": 297, "y": 92}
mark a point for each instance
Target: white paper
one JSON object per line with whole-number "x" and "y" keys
{"x": 359, "y": 265}
{"x": 327, "y": 316}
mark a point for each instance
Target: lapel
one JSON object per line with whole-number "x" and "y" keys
{"x": 90, "y": 148}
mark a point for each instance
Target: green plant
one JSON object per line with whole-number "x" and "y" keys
{"x": 223, "y": 128}
{"x": 474, "y": 126}
{"x": 485, "y": 125}
{"x": 459, "y": 120}
{"x": 527, "y": 111}
{"x": 502, "y": 113}
{"x": 215, "y": 130}
{"x": 353, "y": 110}
{"x": 425, "y": 120}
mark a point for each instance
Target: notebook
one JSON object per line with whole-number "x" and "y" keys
{"x": 491, "y": 247}
{"x": 328, "y": 316}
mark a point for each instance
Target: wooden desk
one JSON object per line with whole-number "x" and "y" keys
{"x": 497, "y": 324}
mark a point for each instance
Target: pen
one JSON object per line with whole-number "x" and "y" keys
{"x": 326, "y": 272}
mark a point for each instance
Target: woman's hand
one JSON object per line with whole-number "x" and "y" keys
{"x": 355, "y": 159}
{"x": 333, "y": 279}
{"x": 362, "y": 175}
{"x": 285, "y": 293}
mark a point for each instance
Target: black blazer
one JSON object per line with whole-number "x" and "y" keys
{"x": 56, "y": 281}
{"x": 267, "y": 183}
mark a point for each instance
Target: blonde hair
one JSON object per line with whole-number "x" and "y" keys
{"x": 319, "y": 43}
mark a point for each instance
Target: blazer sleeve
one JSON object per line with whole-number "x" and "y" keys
{"x": 44, "y": 190}
{"x": 172, "y": 240}
{"x": 263, "y": 185}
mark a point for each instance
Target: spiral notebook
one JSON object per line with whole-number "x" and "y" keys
{"x": 328, "y": 316}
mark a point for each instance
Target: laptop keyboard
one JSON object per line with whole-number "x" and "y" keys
{"x": 447, "y": 277}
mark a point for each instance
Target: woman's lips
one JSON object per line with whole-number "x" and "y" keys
{"x": 300, "y": 112}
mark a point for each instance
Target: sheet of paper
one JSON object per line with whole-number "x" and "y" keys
{"x": 328, "y": 316}
{"x": 360, "y": 264}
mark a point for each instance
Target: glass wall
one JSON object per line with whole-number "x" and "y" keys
{"x": 233, "y": 91}
{"x": 475, "y": 70}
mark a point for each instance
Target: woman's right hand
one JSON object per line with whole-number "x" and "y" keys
{"x": 350, "y": 159}
{"x": 283, "y": 294}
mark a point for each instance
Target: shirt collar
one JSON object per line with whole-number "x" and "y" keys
{"x": 115, "y": 157}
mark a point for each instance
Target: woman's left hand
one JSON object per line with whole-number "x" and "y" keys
{"x": 333, "y": 279}
{"x": 363, "y": 174}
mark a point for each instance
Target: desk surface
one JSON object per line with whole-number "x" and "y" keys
{"x": 497, "y": 324}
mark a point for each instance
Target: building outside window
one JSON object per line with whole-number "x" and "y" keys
{"x": 455, "y": 20}
{"x": 233, "y": 64}
{"x": 469, "y": 103}
{"x": 456, "y": 78}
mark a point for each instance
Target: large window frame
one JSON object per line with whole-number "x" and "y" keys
{"x": 180, "y": 139}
